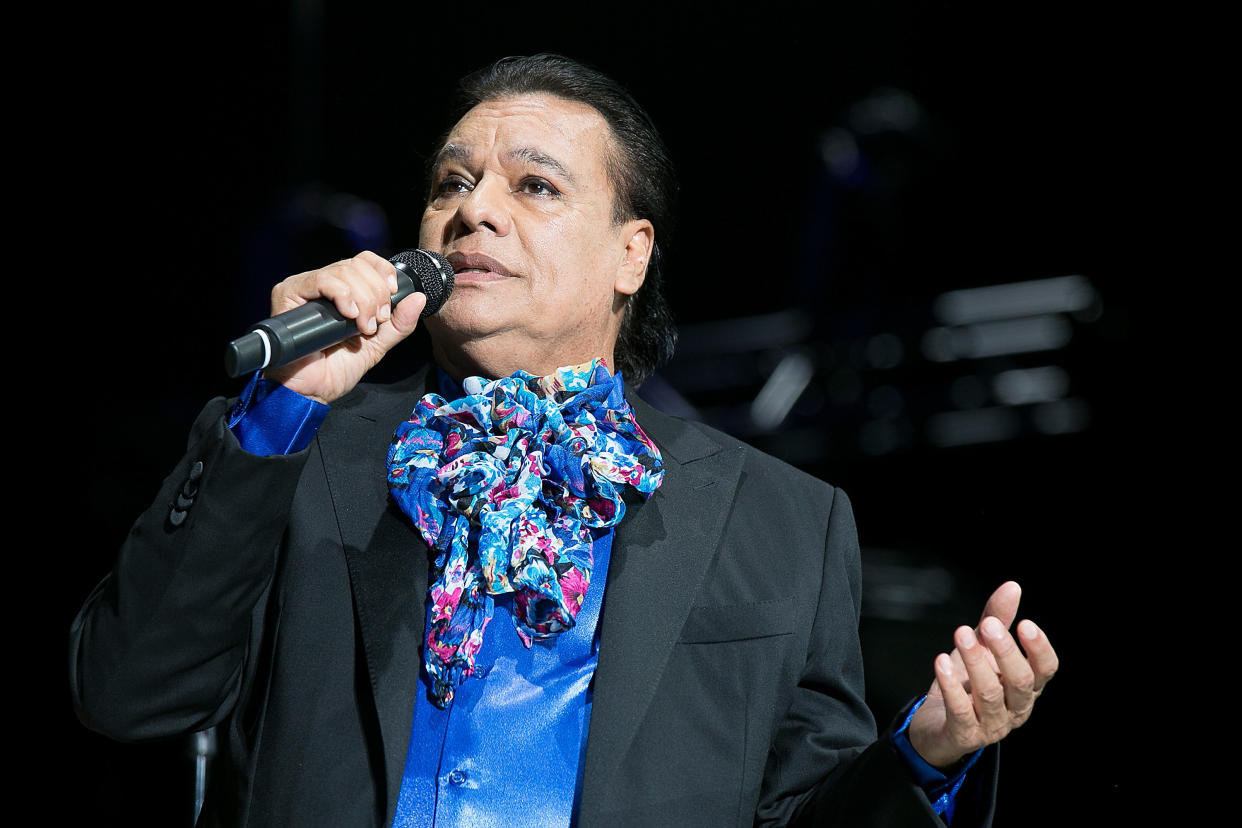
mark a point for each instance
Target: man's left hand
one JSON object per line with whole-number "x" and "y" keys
{"x": 986, "y": 687}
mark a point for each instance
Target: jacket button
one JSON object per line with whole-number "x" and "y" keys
{"x": 190, "y": 487}
{"x": 457, "y": 777}
{"x": 176, "y": 517}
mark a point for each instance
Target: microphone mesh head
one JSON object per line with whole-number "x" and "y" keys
{"x": 432, "y": 275}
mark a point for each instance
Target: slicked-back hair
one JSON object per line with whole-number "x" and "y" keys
{"x": 639, "y": 167}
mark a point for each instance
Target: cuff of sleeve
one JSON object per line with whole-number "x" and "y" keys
{"x": 270, "y": 419}
{"x": 939, "y": 787}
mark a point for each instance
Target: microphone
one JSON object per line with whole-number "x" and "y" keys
{"x": 317, "y": 324}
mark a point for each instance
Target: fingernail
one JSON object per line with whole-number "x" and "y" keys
{"x": 384, "y": 311}
{"x": 1028, "y": 630}
{"x": 353, "y": 308}
{"x": 966, "y": 638}
{"x": 370, "y": 326}
{"x": 392, "y": 283}
{"x": 992, "y": 628}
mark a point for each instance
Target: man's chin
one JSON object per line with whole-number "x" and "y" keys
{"x": 466, "y": 321}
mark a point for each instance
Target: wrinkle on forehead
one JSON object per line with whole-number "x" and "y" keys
{"x": 571, "y": 120}
{"x": 537, "y": 105}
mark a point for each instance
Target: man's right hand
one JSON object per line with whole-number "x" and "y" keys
{"x": 361, "y": 289}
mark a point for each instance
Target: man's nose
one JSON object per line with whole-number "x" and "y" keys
{"x": 486, "y": 207}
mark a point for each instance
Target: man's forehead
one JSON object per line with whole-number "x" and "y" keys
{"x": 540, "y": 129}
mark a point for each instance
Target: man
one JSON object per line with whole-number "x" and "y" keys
{"x": 534, "y": 601}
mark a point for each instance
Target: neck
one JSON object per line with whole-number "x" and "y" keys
{"x": 467, "y": 361}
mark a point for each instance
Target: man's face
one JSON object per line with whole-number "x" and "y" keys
{"x": 522, "y": 205}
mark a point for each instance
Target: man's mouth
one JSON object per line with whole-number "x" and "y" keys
{"x": 467, "y": 263}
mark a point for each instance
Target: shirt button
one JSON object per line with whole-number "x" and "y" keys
{"x": 457, "y": 777}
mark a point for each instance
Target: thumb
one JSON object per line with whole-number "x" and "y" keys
{"x": 1004, "y": 603}
{"x": 402, "y": 323}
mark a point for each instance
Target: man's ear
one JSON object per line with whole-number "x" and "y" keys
{"x": 640, "y": 239}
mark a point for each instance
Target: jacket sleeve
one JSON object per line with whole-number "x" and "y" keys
{"x": 160, "y": 646}
{"x": 826, "y": 765}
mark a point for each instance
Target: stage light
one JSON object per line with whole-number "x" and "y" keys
{"x": 1060, "y": 294}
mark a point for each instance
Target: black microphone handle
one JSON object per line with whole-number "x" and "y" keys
{"x": 316, "y": 325}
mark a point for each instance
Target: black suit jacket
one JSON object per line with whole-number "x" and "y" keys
{"x": 281, "y": 600}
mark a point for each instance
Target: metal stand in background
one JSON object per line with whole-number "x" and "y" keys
{"x": 203, "y": 746}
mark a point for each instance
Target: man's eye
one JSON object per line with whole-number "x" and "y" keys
{"x": 453, "y": 185}
{"x": 538, "y": 186}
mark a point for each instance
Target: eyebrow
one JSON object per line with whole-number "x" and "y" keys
{"x": 450, "y": 152}
{"x": 540, "y": 159}
{"x": 461, "y": 155}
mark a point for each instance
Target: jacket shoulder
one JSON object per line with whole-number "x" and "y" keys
{"x": 686, "y": 440}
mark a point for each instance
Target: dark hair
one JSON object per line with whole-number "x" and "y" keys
{"x": 640, "y": 169}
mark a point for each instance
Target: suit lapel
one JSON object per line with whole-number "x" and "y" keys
{"x": 661, "y": 553}
{"x": 387, "y": 559}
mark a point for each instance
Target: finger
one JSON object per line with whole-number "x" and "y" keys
{"x": 303, "y": 287}
{"x": 960, "y": 665}
{"x": 405, "y": 318}
{"x": 986, "y": 689}
{"x": 383, "y": 267}
{"x": 368, "y": 288}
{"x": 1003, "y": 603}
{"x": 1016, "y": 674}
{"x": 386, "y": 271}
{"x": 1039, "y": 653}
{"x": 331, "y": 283}
{"x": 961, "y": 721}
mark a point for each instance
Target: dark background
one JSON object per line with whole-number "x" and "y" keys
{"x": 842, "y": 166}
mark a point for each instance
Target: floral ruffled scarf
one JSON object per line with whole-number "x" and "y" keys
{"x": 506, "y": 484}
